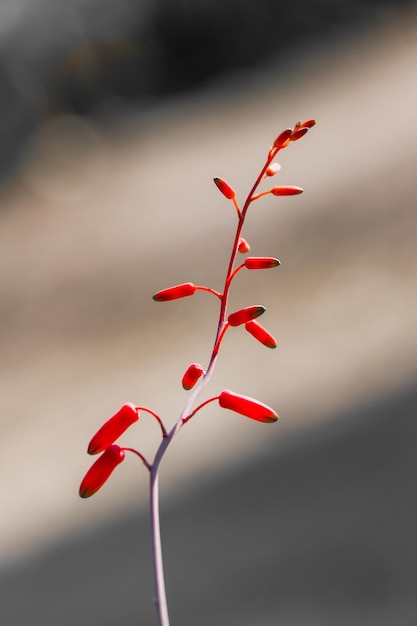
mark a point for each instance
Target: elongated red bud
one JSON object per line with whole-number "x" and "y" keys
{"x": 245, "y": 315}
{"x": 288, "y": 190}
{"x": 261, "y": 334}
{"x": 225, "y": 188}
{"x": 172, "y": 293}
{"x": 113, "y": 428}
{"x": 247, "y": 406}
{"x": 243, "y": 246}
{"x": 100, "y": 471}
{"x": 305, "y": 124}
{"x": 283, "y": 138}
{"x": 298, "y": 133}
{"x": 261, "y": 262}
{"x": 192, "y": 375}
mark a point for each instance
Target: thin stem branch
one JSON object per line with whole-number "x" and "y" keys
{"x": 198, "y": 408}
{"x": 239, "y": 267}
{"x": 236, "y": 207}
{"x": 141, "y": 456}
{"x": 160, "y": 599}
{"x": 156, "y": 416}
{"x": 213, "y": 291}
{"x": 259, "y": 195}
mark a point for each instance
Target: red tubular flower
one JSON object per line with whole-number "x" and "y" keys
{"x": 283, "y": 138}
{"x": 261, "y": 334}
{"x": 100, "y": 471}
{"x": 288, "y": 190}
{"x": 247, "y": 406}
{"x": 245, "y": 315}
{"x": 243, "y": 246}
{"x": 261, "y": 262}
{"x": 172, "y": 293}
{"x": 225, "y": 188}
{"x": 113, "y": 428}
{"x": 192, "y": 375}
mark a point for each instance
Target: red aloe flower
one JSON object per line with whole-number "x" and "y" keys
{"x": 260, "y": 262}
{"x": 100, "y": 471}
{"x": 261, "y": 334}
{"x": 172, "y": 293}
{"x": 192, "y": 375}
{"x": 245, "y": 315}
{"x": 113, "y": 428}
{"x": 225, "y": 188}
{"x": 247, "y": 406}
{"x": 287, "y": 190}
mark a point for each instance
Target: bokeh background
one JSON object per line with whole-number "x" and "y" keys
{"x": 114, "y": 118}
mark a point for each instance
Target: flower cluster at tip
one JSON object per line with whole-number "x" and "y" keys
{"x": 103, "y": 442}
{"x": 292, "y": 134}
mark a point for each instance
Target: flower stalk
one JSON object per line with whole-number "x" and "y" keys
{"x": 196, "y": 378}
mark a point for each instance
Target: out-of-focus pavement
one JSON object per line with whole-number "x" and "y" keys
{"x": 319, "y": 531}
{"x": 98, "y": 220}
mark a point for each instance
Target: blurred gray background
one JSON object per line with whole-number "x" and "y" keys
{"x": 114, "y": 119}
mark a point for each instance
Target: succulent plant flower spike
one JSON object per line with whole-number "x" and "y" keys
{"x": 197, "y": 377}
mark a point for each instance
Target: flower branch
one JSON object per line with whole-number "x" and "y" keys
{"x": 196, "y": 378}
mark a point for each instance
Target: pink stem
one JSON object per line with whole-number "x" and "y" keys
{"x": 161, "y": 600}
{"x": 187, "y": 413}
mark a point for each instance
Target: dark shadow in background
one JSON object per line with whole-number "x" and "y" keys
{"x": 320, "y": 531}
{"x": 97, "y": 57}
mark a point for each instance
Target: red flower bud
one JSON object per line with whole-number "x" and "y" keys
{"x": 100, "y": 471}
{"x": 260, "y": 262}
{"x": 283, "y": 138}
{"x": 243, "y": 246}
{"x": 225, "y": 188}
{"x": 247, "y": 406}
{"x": 288, "y": 190}
{"x": 261, "y": 334}
{"x": 245, "y": 315}
{"x": 305, "y": 124}
{"x": 172, "y": 293}
{"x": 273, "y": 169}
{"x": 191, "y": 376}
{"x": 298, "y": 133}
{"x": 113, "y": 428}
